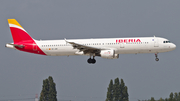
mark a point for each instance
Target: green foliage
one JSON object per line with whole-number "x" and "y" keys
{"x": 52, "y": 90}
{"x": 161, "y": 99}
{"x": 124, "y": 94}
{"x": 117, "y": 91}
{"x": 152, "y": 99}
{"x": 178, "y": 99}
{"x": 110, "y": 92}
{"x": 45, "y": 91}
{"x": 48, "y": 92}
{"x": 172, "y": 97}
{"x": 175, "y": 97}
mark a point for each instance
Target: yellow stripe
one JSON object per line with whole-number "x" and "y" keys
{"x": 13, "y": 21}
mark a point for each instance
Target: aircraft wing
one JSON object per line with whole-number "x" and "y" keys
{"x": 86, "y": 49}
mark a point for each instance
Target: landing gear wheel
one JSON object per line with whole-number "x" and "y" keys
{"x": 157, "y": 59}
{"x": 156, "y": 55}
{"x": 91, "y": 61}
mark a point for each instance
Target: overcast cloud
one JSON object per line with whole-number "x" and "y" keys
{"x": 21, "y": 74}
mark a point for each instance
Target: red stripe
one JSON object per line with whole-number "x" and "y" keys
{"x": 31, "y": 48}
{"x": 21, "y": 37}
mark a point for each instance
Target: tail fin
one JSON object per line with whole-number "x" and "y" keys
{"x": 19, "y": 34}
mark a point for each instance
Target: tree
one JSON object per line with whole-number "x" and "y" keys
{"x": 161, "y": 99}
{"x": 175, "y": 96}
{"x": 166, "y": 99}
{"x": 117, "y": 91}
{"x": 171, "y": 97}
{"x": 123, "y": 94}
{"x": 178, "y": 97}
{"x": 52, "y": 90}
{"x": 48, "y": 92}
{"x": 110, "y": 92}
{"x": 152, "y": 99}
{"x": 45, "y": 91}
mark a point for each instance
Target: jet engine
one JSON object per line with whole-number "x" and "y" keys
{"x": 109, "y": 54}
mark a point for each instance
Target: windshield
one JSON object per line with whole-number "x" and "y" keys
{"x": 166, "y": 42}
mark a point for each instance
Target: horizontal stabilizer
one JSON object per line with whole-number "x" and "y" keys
{"x": 10, "y": 45}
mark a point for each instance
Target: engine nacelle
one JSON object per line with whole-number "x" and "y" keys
{"x": 109, "y": 54}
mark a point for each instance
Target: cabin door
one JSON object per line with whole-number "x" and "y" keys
{"x": 156, "y": 44}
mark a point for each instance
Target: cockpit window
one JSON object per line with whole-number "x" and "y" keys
{"x": 166, "y": 42}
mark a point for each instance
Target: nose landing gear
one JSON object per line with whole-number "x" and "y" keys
{"x": 157, "y": 59}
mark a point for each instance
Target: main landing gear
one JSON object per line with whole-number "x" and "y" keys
{"x": 91, "y": 61}
{"x": 157, "y": 59}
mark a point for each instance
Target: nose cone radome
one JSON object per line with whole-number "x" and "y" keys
{"x": 173, "y": 46}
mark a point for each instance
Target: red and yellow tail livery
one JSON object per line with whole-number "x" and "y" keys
{"x": 19, "y": 34}
{"x": 22, "y": 40}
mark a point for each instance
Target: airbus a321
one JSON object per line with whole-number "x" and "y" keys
{"x": 108, "y": 48}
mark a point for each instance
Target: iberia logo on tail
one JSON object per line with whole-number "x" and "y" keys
{"x": 22, "y": 40}
{"x": 19, "y": 34}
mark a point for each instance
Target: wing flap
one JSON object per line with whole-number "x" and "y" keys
{"x": 86, "y": 49}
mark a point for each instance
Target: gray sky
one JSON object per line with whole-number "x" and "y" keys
{"x": 21, "y": 74}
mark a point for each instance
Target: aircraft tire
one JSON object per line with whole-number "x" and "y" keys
{"x": 157, "y": 59}
{"x": 93, "y": 61}
{"x": 89, "y": 60}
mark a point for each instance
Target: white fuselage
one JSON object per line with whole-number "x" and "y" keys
{"x": 120, "y": 45}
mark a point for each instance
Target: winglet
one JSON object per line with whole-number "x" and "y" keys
{"x": 65, "y": 40}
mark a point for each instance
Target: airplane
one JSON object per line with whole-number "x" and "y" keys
{"x": 108, "y": 48}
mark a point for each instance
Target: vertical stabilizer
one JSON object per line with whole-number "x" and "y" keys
{"x": 19, "y": 34}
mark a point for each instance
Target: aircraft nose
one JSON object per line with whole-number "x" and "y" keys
{"x": 173, "y": 46}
